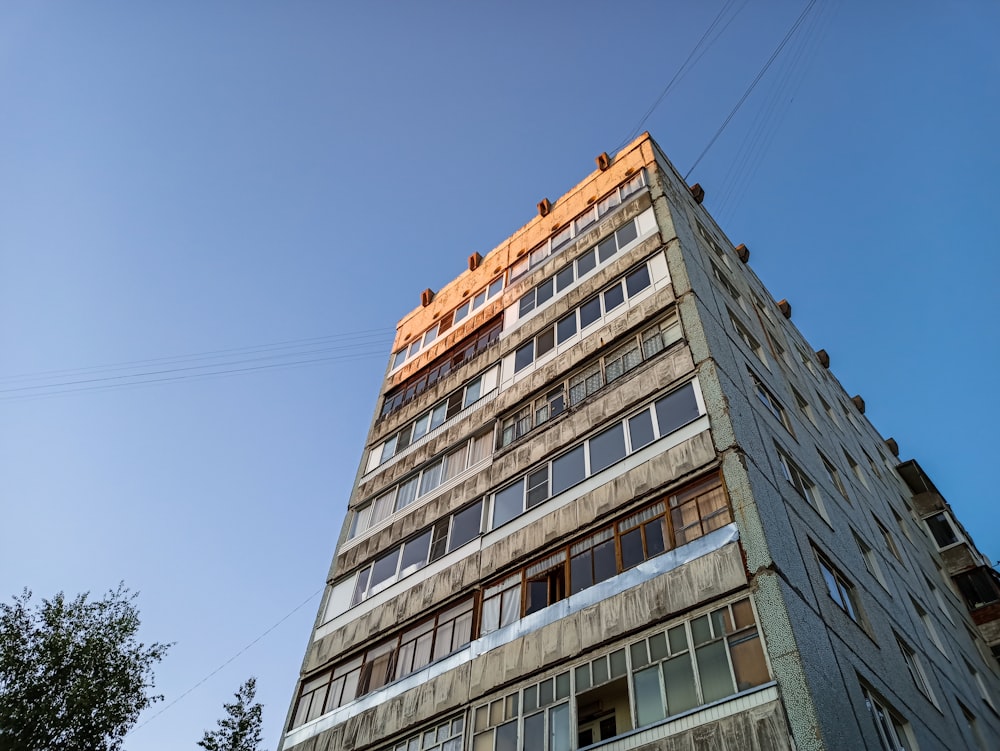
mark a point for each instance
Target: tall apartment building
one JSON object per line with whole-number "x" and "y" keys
{"x": 612, "y": 498}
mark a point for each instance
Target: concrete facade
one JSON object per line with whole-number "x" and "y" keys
{"x": 611, "y": 498}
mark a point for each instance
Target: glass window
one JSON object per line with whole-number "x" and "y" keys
{"x": 676, "y": 409}
{"x": 564, "y": 277}
{"x": 384, "y": 569}
{"x": 466, "y": 525}
{"x": 415, "y": 554}
{"x": 430, "y": 478}
{"x": 495, "y": 286}
{"x": 590, "y": 311}
{"x": 637, "y": 281}
{"x": 568, "y": 470}
{"x": 940, "y": 527}
{"x": 524, "y": 356}
{"x": 526, "y": 304}
{"x": 566, "y": 327}
{"x": 607, "y": 448}
{"x": 606, "y": 249}
{"x": 538, "y": 486}
{"x": 626, "y": 234}
{"x": 545, "y": 341}
{"x": 544, "y": 291}
{"x": 508, "y": 503}
{"x": 649, "y": 705}
{"x": 613, "y": 297}
{"x": 640, "y": 429}
{"x": 586, "y": 263}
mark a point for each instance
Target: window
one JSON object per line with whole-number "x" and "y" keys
{"x": 973, "y": 726}
{"x": 389, "y": 660}
{"x": 855, "y": 468}
{"x": 830, "y": 414}
{"x": 577, "y": 269}
{"x": 804, "y": 407}
{"x": 839, "y": 588}
{"x": 454, "y": 358}
{"x": 446, "y": 322}
{"x": 445, "y": 736}
{"x": 916, "y": 669}
{"x": 978, "y": 680}
{"x": 672, "y": 521}
{"x": 727, "y": 285}
{"x": 713, "y": 244}
{"x": 588, "y": 313}
{"x": 770, "y": 402}
{"x": 871, "y": 463}
{"x": 580, "y": 224}
{"x": 871, "y": 561}
{"x": 443, "y": 468}
{"x": 605, "y": 448}
{"x": 902, "y": 524}
{"x": 444, "y": 536}
{"x": 939, "y": 598}
{"x": 979, "y": 587}
{"x": 433, "y": 418}
{"x": 693, "y": 662}
{"x": 806, "y": 361}
{"x": 893, "y": 732}
{"x": 603, "y": 370}
{"x": 834, "y": 474}
{"x": 746, "y": 337}
{"x": 890, "y": 543}
{"x": 801, "y": 482}
{"x": 942, "y": 529}
{"x": 928, "y": 624}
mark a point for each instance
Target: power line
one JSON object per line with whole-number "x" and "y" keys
{"x": 684, "y": 67}
{"x": 288, "y": 615}
{"x": 753, "y": 84}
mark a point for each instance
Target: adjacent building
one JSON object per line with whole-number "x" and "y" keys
{"x": 612, "y": 498}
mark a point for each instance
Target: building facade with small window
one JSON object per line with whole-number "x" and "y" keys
{"x": 612, "y": 498}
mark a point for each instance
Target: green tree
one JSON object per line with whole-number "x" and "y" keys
{"x": 239, "y": 730}
{"x": 73, "y": 676}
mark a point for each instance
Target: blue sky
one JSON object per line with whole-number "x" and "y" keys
{"x": 263, "y": 180}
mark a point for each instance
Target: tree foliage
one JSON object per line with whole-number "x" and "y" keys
{"x": 240, "y": 729}
{"x": 73, "y": 676}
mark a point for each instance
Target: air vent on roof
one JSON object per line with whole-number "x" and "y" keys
{"x": 544, "y": 207}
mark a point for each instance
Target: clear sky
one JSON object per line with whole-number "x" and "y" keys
{"x": 275, "y": 183}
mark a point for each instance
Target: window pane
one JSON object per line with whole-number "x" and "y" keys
{"x": 466, "y": 525}
{"x": 508, "y": 503}
{"x": 534, "y": 731}
{"x": 526, "y": 304}
{"x": 538, "y": 486}
{"x": 943, "y": 533}
{"x": 586, "y": 263}
{"x": 545, "y": 341}
{"x": 406, "y": 493}
{"x": 637, "y": 281}
{"x": 430, "y": 478}
{"x": 713, "y": 669}
{"x": 626, "y": 234}
{"x": 640, "y": 429}
{"x": 559, "y": 728}
{"x": 473, "y": 391}
{"x": 590, "y": 311}
{"x": 564, "y": 278}
{"x": 648, "y": 699}
{"x": 631, "y": 543}
{"x": 678, "y": 677}
{"x": 384, "y": 568}
{"x": 524, "y": 356}
{"x": 748, "y": 661}
{"x": 613, "y": 297}
{"x": 543, "y": 292}
{"x": 676, "y": 409}
{"x": 507, "y": 737}
{"x": 567, "y": 470}
{"x": 655, "y": 543}
{"x": 415, "y": 554}
{"x": 607, "y": 447}
{"x": 566, "y": 327}
{"x": 605, "y": 565}
{"x": 606, "y": 249}
{"x": 581, "y": 572}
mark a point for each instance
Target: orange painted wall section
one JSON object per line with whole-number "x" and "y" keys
{"x": 627, "y": 162}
